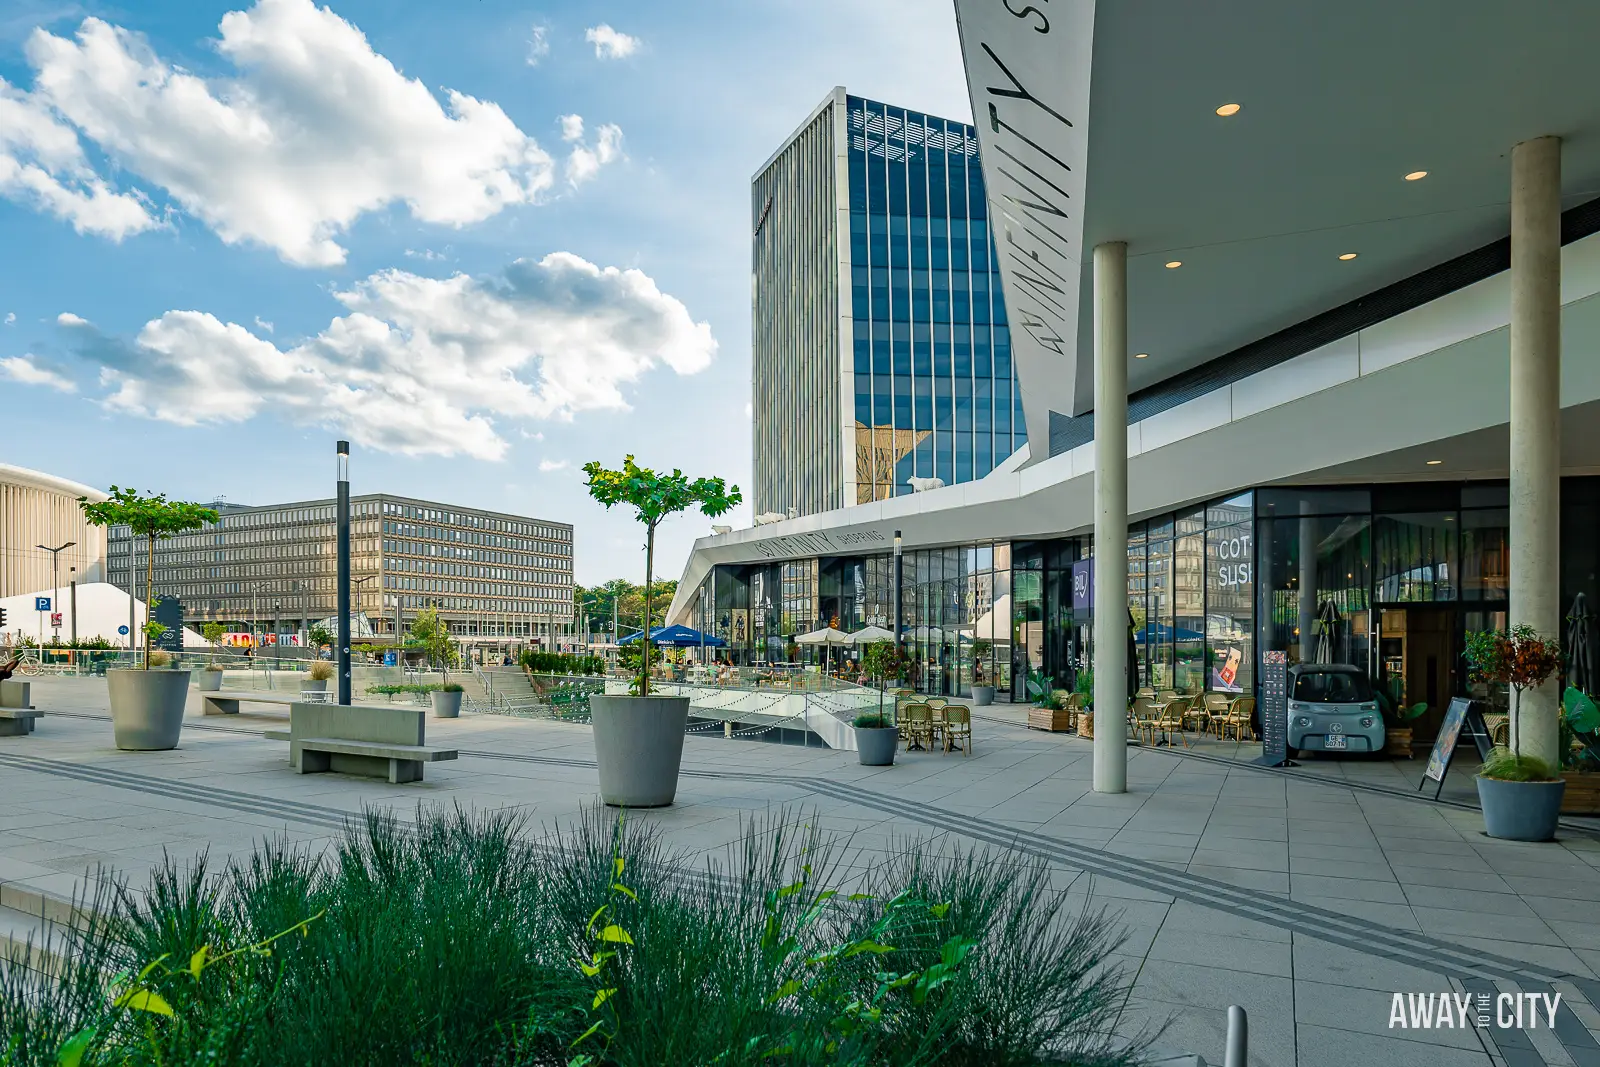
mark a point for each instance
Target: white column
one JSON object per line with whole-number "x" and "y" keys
{"x": 1536, "y": 420}
{"x": 1308, "y": 585}
{"x": 1111, "y": 518}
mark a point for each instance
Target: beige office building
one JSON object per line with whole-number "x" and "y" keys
{"x": 38, "y": 509}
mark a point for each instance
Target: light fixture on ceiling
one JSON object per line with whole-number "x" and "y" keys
{"x": 1174, "y": 264}
{"x": 1416, "y": 175}
{"x": 1228, "y": 109}
{"x": 1434, "y": 462}
{"x": 1141, "y": 355}
{"x": 1349, "y": 256}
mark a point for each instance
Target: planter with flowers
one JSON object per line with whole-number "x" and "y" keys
{"x": 1520, "y": 794}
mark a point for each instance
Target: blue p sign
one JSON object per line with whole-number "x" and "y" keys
{"x": 41, "y": 603}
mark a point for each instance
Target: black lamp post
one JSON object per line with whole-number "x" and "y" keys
{"x": 898, "y": 572}
{"x": 342, "y": 581}
{"x": 277, "y": 633}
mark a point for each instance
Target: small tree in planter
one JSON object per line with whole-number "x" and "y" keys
{"x": 432, "y": 635}
{"x": 147, "y": 706}
{"x": 640, "y": 745}
{"x": 319, "y": 638}
{"x": 211, "y": 680}
{"x": 1520, "y": 794}
{"x": 877, "y": 735}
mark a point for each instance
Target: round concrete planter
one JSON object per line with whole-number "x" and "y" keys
{"x": 1520, "y": 811}
{"x": 147, "y": 707}
{"x": 638, "y": 742}
{"x": 208, "y": 681}
{"x": 314, "y": 685}
{"x": 876, "y": 747}
{"x": 982, "y": 696}
{"x": 447, "y": 705}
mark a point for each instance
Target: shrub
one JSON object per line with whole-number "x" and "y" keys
{"x": 320, "y": 670}
{"x": 460, "y": 941}
{"x": 450, "y": 687}
{"x": 875, "y": 720}
{"x": 1503, "y": 765}
{"x": 158, "y": 657}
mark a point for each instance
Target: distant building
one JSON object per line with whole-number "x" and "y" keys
{"x": 880, "y": 349}
{"x": 493, "y": 576}
{"x": 42, "y": 509}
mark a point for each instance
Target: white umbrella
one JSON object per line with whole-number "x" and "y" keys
{"x": 825, "y": 636}
{"x": 995, "y": 624}
{"x": 867, "y": 635}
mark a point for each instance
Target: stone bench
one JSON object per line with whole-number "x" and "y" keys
{"x": 16, "y": 694}
{"x": 226, "y": 701}
{"x": 374, "y": 741}
{"x": 15, "y": 722}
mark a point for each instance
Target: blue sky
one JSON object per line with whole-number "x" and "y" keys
{"x": 486, "y": 240}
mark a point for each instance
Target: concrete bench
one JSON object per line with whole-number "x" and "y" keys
{"x": 375, "y": 741}
{"x": 15, "y": 722}
{"x": 226, "y": 701}
{"x": 16, "y": 694}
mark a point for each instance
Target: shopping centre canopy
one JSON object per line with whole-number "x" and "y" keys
{"x": 1099, "y": 122}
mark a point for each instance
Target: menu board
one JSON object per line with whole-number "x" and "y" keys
{"x": 1274, "y": 710}
{"x": 1463, "y": 714}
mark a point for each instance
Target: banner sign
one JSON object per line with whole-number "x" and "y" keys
{"x": 1274, "y": 709}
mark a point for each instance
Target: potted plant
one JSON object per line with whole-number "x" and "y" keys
{"x": 1397, "y": 729}
{"x": 147, "y": 705}
{"x": 877, "y": 736}
{"x": 432, "y": 635}
{"x": 1520, "y": 794}
{"x": 1045, "y": 714}
{"x": 447, "y": 701}
{"x": 982, "y": 692}
{"x": 638, "y": 740}
{"x": 317, "y": 676}
{"x": 211, "y": 677}
{"x": 1580, "y": 753}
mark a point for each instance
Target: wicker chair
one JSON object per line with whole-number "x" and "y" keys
{"x": 1170, "y": 719}
{"x": 1237, "y": 719}
{"x": 1143, "y": 715}
{"x": 958, "y": 727}
{"x": 916, "y": 726}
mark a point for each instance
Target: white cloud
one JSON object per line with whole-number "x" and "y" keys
{"x": 26, "y": 370}
{"x": 42, "y": 164}
{"x": 572, "y": 127}
{"x": 548, "y": 465}
{"x": 538, "y": 44}
{"x": 313, "y": 130}
{"x": 262, "y": 324}
{"x": 419, "y": 365}
{"x": 67, "y": 318}
{"x": 586, "y": 160}
{"x": 11, "y": 316}
{"x": 609, "y": 43}
{"x": 424, "y": 253}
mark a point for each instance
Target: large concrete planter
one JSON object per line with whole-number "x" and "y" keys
{"x": 447, "y": 705}
{"x": 314, "y": 685}
{"x": 876, "y": 747}
{"x": 209, "y": 681}
{"x": 1520, "y": 811}
{"x": 982, "y": 696}
{"x": 147, "y": 707}
{"x": 638, "y": 742}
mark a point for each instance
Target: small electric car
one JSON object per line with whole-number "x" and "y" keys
{"x": 1332, "y": 709}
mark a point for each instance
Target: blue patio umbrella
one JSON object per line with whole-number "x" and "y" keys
{"x": 677, "y": 637}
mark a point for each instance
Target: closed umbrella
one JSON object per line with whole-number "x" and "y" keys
{"x": 1327, "y": 629}
{"x": 1580, "y": 655}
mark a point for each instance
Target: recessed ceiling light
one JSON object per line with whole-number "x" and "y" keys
{"x": 1228, "y": 109}
{"x": 1174, "y": 264}
{"x": 1349, "y": 255}
{"x": 1434, "y": 462}
{"x": 1141, "y": 355}
{"x": 1416, "y": 174}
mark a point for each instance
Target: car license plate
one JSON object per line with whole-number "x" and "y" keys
{"x": 1336, "y": 741}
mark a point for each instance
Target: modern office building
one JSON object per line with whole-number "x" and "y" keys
{"x": 880, "y": 350}
{"x": 493, "y": 576}
{"x": 39, "y": 512}
{"x": 1310, "y": 362}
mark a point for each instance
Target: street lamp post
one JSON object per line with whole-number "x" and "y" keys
{"x": 55, "y": 585}
{"x": 343, "y": 569}
{"x": 277, "y": 633}
{"x": 898, "y": 573}
{"x": 73, "y": 572}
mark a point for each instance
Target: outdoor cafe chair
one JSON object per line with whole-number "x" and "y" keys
{"x": 1144, "y": 714}
{"x": 1170, "y": 717}
{"x": 958, "y": 727}
{"x": 916, "y": 726}
{"x": 1237, "y": 718}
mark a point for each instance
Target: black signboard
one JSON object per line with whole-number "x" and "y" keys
{"x": 1274, "y": 710}
{"x": 169, "y": 613}
{"x": 1462, "y": 715}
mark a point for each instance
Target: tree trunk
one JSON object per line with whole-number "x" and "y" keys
{"x": 649, "y": 574}
{"x": 149, "y": 583}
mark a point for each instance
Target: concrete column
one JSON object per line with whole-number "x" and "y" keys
{"x": 1536, "y": 421}
{"x": 1111, "y": 518}
{"x": 1308, "y": 585}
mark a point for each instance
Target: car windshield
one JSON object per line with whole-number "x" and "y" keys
{"x": 1332, "y": 687}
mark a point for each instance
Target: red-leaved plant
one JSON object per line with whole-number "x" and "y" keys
{"x": 1517, "y": 657}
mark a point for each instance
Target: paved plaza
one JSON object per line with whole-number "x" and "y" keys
{"x": 1306, "y": 900}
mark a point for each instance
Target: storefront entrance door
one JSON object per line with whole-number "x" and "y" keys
{"x": 1417, "y": 660}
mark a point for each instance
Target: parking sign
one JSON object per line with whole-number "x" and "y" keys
{"x": 41, "y": 603}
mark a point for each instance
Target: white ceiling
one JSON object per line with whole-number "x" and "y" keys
{"x": 1338, "y": 102}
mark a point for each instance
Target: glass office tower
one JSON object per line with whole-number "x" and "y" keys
{"x": 880, "y": 346}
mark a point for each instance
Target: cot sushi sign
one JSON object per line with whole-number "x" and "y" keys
{"x": 1460, "y": 1011}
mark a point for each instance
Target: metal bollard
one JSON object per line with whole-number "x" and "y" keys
{"x": 1238, "y": 1052}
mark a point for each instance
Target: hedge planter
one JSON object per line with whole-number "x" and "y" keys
{"x": 209, "y": 681}
{"x": 447, "y": 704}
{"x": 638, "y": 742}
{"x": 982, "y": 696}
{"x": 1520, "y": 811}
{"x": 876, "y": 746}
{"x": 147, "y": 707}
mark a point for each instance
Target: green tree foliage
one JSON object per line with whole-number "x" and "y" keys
{"x": 430, "y": 633}
{"x": 319, "y": 637}
{"x": 153, "y": 517}
{"x": 655, "y": 498}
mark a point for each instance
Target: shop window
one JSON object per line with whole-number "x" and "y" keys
{"x": 1486, "y": 554}
{"x": 1414, "y": 557}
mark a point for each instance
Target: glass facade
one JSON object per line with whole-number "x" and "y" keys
{"x": 934, "y": 387}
